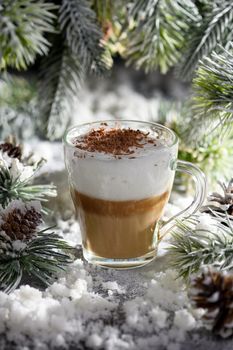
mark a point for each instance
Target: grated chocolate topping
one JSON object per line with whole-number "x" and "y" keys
{"x": 113, "y": 141}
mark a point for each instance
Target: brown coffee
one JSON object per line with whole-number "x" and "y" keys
{"x": 119, "y": 229}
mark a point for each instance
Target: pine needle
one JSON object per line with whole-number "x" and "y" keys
{"x": 83, "y": 35}
{"x": 43, "y": 257}
{"x": 11, "y": 188}
{"x": 160, "y": 32}
{"x": 61, "y": 75}
{"x": 216, "y": 28}
{"x": 212, "y": 103}
{"x": 192, "y": 248}
{"x": 22, "y": 27}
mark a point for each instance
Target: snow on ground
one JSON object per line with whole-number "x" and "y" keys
{"x": 98, "y": 308}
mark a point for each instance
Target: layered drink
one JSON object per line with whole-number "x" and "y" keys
{"x": 120, "y": 180}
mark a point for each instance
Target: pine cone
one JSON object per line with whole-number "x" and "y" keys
{"x": 224, "y": 203}
{"x": 213, "y": 291}
{"x": 12, "y": 150}
{"x": 19, "y": 225}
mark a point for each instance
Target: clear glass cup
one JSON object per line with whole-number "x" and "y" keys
{"x": 119, "y": 201}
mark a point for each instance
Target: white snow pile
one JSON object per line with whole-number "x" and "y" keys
{"x": 95, "y": 308}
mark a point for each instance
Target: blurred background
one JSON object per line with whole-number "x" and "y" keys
{"x": 64, "y": 62}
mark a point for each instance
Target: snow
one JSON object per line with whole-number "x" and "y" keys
{"x": 184, "y": 320}
{"x": 113, "y": 286}
{"x": 206, "y": 223}
{"x": 19, "y": 171}
{"x": 18, "y": 245}
{"x": 5, "y": 159}
{"x": 75, "y": 307}
{"x": 16, "y": 204}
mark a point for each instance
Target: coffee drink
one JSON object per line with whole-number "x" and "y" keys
{"x": 119, "y": 229}
{"x": 120, "y": 181}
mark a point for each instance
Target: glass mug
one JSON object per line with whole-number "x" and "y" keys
{"x": 119, "y": 201}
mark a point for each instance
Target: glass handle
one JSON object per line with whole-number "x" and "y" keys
{"x": 200, "y": 194}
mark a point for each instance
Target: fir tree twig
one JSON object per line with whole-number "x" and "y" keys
{"x": 15, "y": 184}
{"x": 216, "y": 28}
{"x": 83, "y": 35}
{"x": 192, "y": 247}
{"x": 22, "y": 27}
{"x": 61, "y": 74}
{"x": 212, "y": 103}
{"x": 26, "y": 250}
{"x": 160, "y": 32}
{"x": 103, "y": 10}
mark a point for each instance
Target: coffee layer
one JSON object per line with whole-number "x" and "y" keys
{"x": 115, "y": 176}
{"x": 118, "y": 229}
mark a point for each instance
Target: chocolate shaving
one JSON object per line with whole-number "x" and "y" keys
{"x": 113, "y": 141}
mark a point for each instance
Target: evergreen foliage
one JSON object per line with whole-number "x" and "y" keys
{"x": 60, "y": 77}
{"x": 42, "y": 258}
{"x": 22, "y": 27}
{"x": 103, "y": 10}
{"x": 17, "y": 173}
{"x": 78, "y": 49}
{"x": 160, "y": 31}
{"x": 149, "y": 34}
{"x": 195, "y": 247}
{"x": 216, "y": 27}
{"x": 212, "y": 103}
{"x": 15, "y": 187}
{"x": 83, "y": 35}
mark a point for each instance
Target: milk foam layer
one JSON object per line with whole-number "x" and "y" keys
{"x": 105, "y": 177}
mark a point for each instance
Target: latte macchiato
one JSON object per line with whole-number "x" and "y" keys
{"x": 120, "y": 181}
{"x": 119, "y": 229}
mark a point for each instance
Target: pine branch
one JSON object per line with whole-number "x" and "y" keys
{"x": 10, "y": 275}
{"x": 42, "y": 257}
{"x": 212, "y": 103}
{"x": 194, "y": 247}
{"x": 103, "y": 10}
{"x": 22, "y": 25}
{"x": 84, "y": 37}
{"x": 61, "y": 74}
{"x": 205, "y": 6}
{"x": 26, "y": 250}
{"x": 216, "y": 28}
{"x": 160, "y": 32}
{"x": 17, "y": 185}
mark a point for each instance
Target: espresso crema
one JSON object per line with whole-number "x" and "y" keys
{"x": 120, "y": 182}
